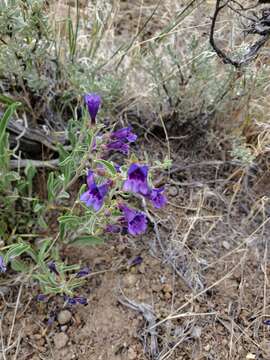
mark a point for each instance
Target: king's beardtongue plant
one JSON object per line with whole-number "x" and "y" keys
{"x": 104, "y": 203}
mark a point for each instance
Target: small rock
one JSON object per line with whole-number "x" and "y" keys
{"x": 226, "y": 245}
{"x": 251, "y": 356}
{"x": 60, "y": 340}
{"x": 131, "y": 354}
{"x": 196, "y": 332}
{"x": 167, "y": 296}
{"x": 4, "y": 290}
{"x": 64, "y": 317}
{"x": 130, "y": 280}
{"x": 167, "y": 288}
{"x": 64, "y": 328}
{"x": 173, "y": 191}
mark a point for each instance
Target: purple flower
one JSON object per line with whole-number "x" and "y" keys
{"x": 117, "y": 168}
{"x": 114, "y": 229}
{"x": 3, "y": 267}
{"x": 41, "y": 297}
{"x": 52, "y": 318}
{"x": 52, "y": 267}
{"x": 81, "y": 300}
{"x": 118, "y": 146}
{"x": 75, "y": 300}
{"x": 83, "y": 272}
{"x": 93, "y": 102}
{"x": 136, "y": 220}
{"x": 157, "y": 198}
{"x": 95, "y": 194}
{"x": 137, "y": 179}
{"x": 69, "y": 300}
{"x": 136, "y": 261}
{"x": 124, "y": 135}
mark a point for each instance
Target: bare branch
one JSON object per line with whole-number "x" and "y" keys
{"x": 260, "y": 25}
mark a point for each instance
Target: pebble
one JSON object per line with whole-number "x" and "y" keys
{"x": 4, "y": 290}
{"x": 167, "y": 288}
{"x": 226, "y": 245}
{"x": 251, "y": 356}
{"x": 130, "y": 280}
{"x": 60, "y": 340}
{"x": 132, "y": 355}
{"x": 64, "y": 317}
{"x": 173, "y": 191}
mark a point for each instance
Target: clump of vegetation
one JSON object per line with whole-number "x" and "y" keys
{"x": 42, "y": 79}
{"x": 109, "y": 187}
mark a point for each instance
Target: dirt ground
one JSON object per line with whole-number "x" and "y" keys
{"x": 200, "y": 291}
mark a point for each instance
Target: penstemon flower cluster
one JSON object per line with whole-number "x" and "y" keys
{"x": 109, "y": 203}
{"x": 106, "y": 190}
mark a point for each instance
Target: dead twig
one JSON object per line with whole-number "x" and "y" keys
{"x": 150, "y": 317}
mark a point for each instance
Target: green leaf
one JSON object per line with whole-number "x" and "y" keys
{"x": 5, "y": 119}
{"x": 42, "y": 251}
{"x": 87, "y": 240}
{"x": 108, "y": 165}
{"x": 20, "y": 266}
{"x": 16, "y": 250}
{"x": 6, "y": 100}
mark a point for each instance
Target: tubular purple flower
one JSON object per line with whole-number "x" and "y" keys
{"x": 93, "y": 103}
{"x": 81, "y": 300}
{"x": 135, "y": 261}
{"x": 75, "y": 300}
{"x": 52, "y": 318}
{"x": 41, "y": 297}
{"x": 118, "y": 146}
{"x": 137, "y": 179}
{"x": 117, "y": 168}
{"x": 157, "y": 198}
{"x": 90, "y": 178}
{"x": 95, "y": 194}
{"x": 136, "y": 220}
{"x": 52, "y": 267}
{"x": 94, "y": 197}
{"x": 124, "y": 135}
{"x": 69, "y": 300}
{"x": 114, "y": 229}
{"x": 3, "y": 267}
{"x": 83, "y": 272}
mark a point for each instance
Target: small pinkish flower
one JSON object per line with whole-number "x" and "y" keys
{"x": 136, "y": 220}
{"x": 124, "y": 135}
{"x": 157, "y": 198}
{"x": 137, "y": 179}
{"x": 93, "y": 103}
